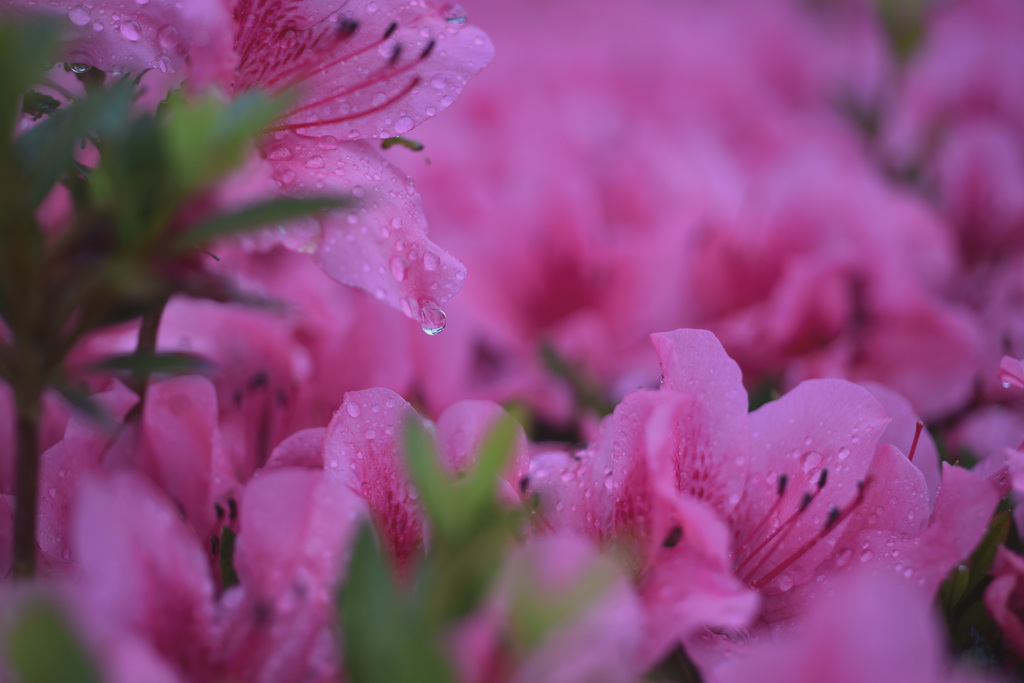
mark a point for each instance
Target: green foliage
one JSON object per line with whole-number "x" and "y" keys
{"x": 386, "y": 638}
{"x": 41, "y": 647}
{"x": 164, "y": 363}
{"x": 961, "y": 594}
{"x": 392, "y": 632}
{"x": 266, "y": 213}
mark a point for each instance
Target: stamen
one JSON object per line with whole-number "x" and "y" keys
{"x": 428, "y": 49}
{"x": 347, "y": 28}
{"x": 785, "y": 528}
{"x": 783, "y": 479}
{"x": 392, "y": 27}
{"x": 917, "y": 436}
{"x": 396, "y": 52}
{"x": 232, "y": 508}
{"x": 835, "y": 516}
{"x": 673, "y": 538}
{"x": 349, "y": 117}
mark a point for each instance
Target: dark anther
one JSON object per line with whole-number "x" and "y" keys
{"x": 673, "y": 538}
{"x": 395, "y": 53}
{"x": 822, "y": 478}
{"x": 428, "y": 49}
{"x": 282, "y": 397}
{"x": 833, "y": 517}
{"x": 263, "y": 611}
{"x": 347, "y": 28}
{"x": 860, "y": 486}
{"x": 237, "y": 397}
{"x": 805, "y": 501}
{"x": 524, "y": 484}
{"x": 214, "y": 544}
{"x": 392, "y": 27}
{"x": 232, "y": 508}
{"x": 258, "y": 381}
{"x": 220, "y": 511}
{"x": 783, "y": 480}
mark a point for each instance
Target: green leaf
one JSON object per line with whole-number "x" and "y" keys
{"x": 46, "y": 152}
{"x": 260, "y": 215}
{"x": 38, "y": 105}
{"x": 430, "y": 480}
{"x": 206, "y": 138}
{"x": 41, "y": 647}
{"x": 481, "y": 484}
{"x": 228, "y": 575}
{"x": 24, "y": 49}
{"x": 174, "y": 363}
{"x": 384, "y": 639}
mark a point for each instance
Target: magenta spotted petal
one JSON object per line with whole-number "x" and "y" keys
{"x": 373, "y": 70}
{"x": 381, "y": 245}
{"x": 363, "y": 451}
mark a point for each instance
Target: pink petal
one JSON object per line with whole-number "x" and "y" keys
{"x": 900, "y": 433}
{"x": 1004, "y": 597}
{"x": 867, "y": 630}
{"x": 962, "y": 513}
{"x": 710, "y": 442}
{"x": 143, "y": 571}
{"x": 690, "y": 585}
{"x": 363, "y": 451}
{"x": 180, "y": 436}
{"x": 373, "y": 71}
{"x": 302, "y": 449}
{"x": 1011, "y": 372}
{"x": 381, "y": 245}
{"x": 820, "y": 425}
{"x": 191, "y": 36}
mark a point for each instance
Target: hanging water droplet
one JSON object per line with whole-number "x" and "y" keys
{"x": 432, "y": 318}
{"x": 454, "y": 14}
{"x": 79, "y": 67}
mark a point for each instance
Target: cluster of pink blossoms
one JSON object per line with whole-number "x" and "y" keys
{"x": 824, "y": 214}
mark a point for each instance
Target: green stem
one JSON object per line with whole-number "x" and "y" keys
{"x": 29, "y": 407}
{"x": 147, "y": 347}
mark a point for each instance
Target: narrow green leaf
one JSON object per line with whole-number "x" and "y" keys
{"x": 85, "y": 404}
{"x": 38, "y": 105}
{"x": 383, "y": 638}
{"x": 494, "y": 455}
{"x": 175, "y": 363}
{"x": 431, "y": 481}
{"x": 260, "y": 215}
{"x": 41, "y": 647}
{"x": 228, "y": 575}
{"x": 409, "y": 143}
{"x": 24, "y": 48}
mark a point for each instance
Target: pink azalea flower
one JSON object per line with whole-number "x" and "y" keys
{"x": 375, "y": 71}
{"x": 808, "y": 496}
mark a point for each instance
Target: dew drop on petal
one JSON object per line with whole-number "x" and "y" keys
{"x": 843, "y": 453}
{"x": 403, "y": 125}
{"x": 130, "y": 30}
{"x": 866, "y": 556}
{"x": 785, "y": 582}
{"x": 353, "y": 409}
{"x": 431, "y": 261}
{"x": 398, "y": 267}
{"x": 811, "y": 460}
{"x": 843, "y": 557}
{"x": 79, "y": 15}
{"x": 168, "y": 36}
